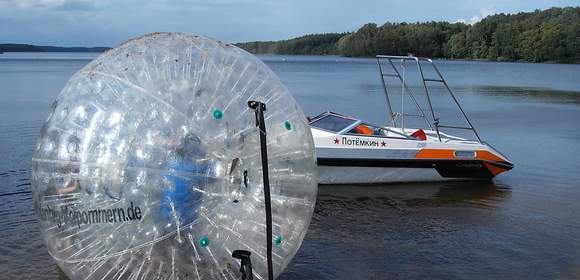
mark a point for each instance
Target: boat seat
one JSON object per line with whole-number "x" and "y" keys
{"x": 419, "y": 135}
{"x": 363, "y": 129}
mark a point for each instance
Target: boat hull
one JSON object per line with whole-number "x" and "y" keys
{"x": 335, "y": 175}
{"x": 372, "y": 171}
{"x": 369, "y": 159}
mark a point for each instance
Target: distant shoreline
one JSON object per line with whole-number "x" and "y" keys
{"x": 542, "y": 36}
{"x": 312, "y": 55}
{"x": 34, "y": 48}
{"x": 545, "y": 36}
{"x": 434, "y": 58}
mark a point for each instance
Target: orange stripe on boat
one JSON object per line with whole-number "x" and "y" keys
{"x": 435, "y": 153}
{"x": 450, "y": 154}
{"x": 485, "y": 155}
{"x": 494, "y": 169}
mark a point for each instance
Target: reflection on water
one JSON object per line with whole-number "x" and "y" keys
{"x": 482, "y": 193}
{"x": 378, "y": 232}
{"x": 524, "y": 224}
{"x": 524, "y": 93}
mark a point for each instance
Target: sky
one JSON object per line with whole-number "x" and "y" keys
{"x": 111, "y": 22}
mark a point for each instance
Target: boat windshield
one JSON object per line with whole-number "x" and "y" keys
{"x": 332, "y": 123}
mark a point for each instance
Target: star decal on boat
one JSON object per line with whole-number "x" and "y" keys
{"x": 336, "y": 141}
{"x": 383, "y": 144}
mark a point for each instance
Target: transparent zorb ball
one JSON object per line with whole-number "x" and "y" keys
{"x": 149, "y": 164}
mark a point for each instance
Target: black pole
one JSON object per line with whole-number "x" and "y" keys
{"x": 259, "y": 109}
{"x": 246, "y": 263}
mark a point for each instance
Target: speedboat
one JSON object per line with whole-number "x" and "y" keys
{"x": 353, "y": 151}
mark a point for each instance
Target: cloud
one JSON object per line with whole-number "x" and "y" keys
{"x": 484, "y": 12}
{"x": 109, "y": 22}
{"x": 27, "y": 4}
{"x": 52, "y": 4}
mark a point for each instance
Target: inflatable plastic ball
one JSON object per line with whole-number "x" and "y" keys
{"x": 148, "y": 166}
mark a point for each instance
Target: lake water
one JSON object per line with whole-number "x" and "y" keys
{"x": 524, "y": 224}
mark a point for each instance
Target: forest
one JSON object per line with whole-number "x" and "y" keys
{"x": 33, "y": 48}
{"x": 551, "y": 35}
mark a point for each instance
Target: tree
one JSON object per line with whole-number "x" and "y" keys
{"x": 549, "y": 35}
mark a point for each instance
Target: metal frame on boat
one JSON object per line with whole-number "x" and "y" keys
{"x": 418, "y": 61}
{"x": 350, "y": 150}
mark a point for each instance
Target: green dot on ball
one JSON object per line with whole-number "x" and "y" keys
{"x": 288, "y": 125}
{"x": 278, "y": 240}
{"x": 204, "y": 241}
{"x": 217, "y": 114}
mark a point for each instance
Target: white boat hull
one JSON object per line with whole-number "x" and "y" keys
{"x": 361, "y": 159}
{"x": 334, "y": 175}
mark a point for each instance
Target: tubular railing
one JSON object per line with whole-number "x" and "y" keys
{"x": 434, "y": 123}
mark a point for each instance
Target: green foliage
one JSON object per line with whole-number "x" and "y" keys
{"x": 540, "y": 36}
{"x": 551, "y": 35}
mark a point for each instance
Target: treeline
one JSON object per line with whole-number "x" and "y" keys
{"x": 316, "y": 44}
{"x": 33, "y": 48}
{"x": 551, "y": 35}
